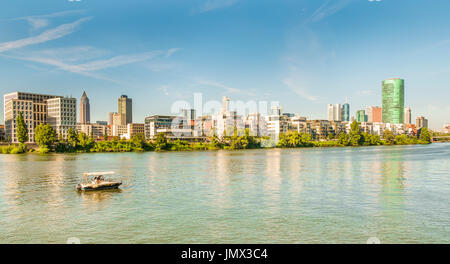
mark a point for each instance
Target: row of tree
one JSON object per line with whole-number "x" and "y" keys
{"x": 46, "y": 138}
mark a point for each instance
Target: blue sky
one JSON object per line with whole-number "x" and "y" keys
{"x": 304, "y": 54}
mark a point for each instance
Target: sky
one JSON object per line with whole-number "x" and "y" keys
{"x": 304, "y": 54}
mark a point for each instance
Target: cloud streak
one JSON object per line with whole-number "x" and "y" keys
{"x": 51, "y": 34}
{"x": 210, "y": 5}
{"x": 41, "y": 21}
{"x": 327, "y": 9}
{"x": 298, "y": 89}
{"x": 227, "y": 88}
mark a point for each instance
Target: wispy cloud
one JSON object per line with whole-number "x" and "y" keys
{"x": 51, "y": 34}
{"x": 170, "y": 52}
{"x": 64, "y": 60}
{"x": 298, "y": 89}
{"x": 41, "y": 21}
{"x": 210, "y": 5}
{"x": 227, "y": 88}
{"x": 327, "y": 9}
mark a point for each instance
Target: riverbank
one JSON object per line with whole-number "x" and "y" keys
{"x": 161, "y": 143}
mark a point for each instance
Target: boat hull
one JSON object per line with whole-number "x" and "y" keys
{"x": 98, "y": 187}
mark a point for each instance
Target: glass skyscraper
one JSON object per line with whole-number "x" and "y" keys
{"x": 393, "y": 101}
{"x": 346, "y": 112}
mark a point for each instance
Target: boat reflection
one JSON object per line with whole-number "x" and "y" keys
{"x": 98, "y": 196}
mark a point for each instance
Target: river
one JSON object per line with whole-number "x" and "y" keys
{"x": 398, "y": 194}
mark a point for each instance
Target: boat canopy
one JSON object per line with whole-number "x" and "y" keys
{"x": 98, "y": 173}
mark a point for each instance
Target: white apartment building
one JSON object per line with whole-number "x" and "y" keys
{"x": 62, "y": 114}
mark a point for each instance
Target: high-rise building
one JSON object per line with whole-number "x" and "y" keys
{"x": 369, "y": 114}
{"x": 125, "y": 109}
{"x": 85, "y": 111}
{"x": 361, "y": 116}
{"x": 407, "y": 118}
{"x": 110, "y": 117}
{"x": 377, "y": 114}
{"x": 421, "y": 122}
{"x": 334, "y": 112}
{"x": 346, "y": 112}
{"x": 393, "y": 101}
{"x": 62, "y": 114}
{"x": 33, "y": 108}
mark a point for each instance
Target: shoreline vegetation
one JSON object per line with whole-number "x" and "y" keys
{"x": 47, "y": 141}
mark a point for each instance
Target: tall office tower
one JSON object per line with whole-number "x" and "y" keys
{"x": 330, "y": 112}
{"x": 421, "y": 122}
{"x": 33, "y": 107}
{"x": 85, "y": 109}
{"x": 369, "y": 114}
{"x": 334, "y": 112}
{"x": 361, "y": 116}
{"x": 346, "y": 111}
{"x": 393, "y": 101}
{"x": 337, "y": 112}
{"x": 225, "y": 104}
{"x": 125, "y": 109}
{"x": 62, "y": 114}
{"x": 407, "y": 118}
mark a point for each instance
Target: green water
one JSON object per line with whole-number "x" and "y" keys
{"x": 399, "y": 194}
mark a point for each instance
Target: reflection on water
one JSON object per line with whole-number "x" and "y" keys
{"x": 332, "y": 195}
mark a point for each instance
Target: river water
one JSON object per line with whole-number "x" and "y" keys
{"x": 398, "y": 194}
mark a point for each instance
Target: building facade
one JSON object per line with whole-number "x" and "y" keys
{"x": 125, "y": 109}
{"x": 407, "y": 118}
{"x": 421, "y": 122}
{"x": 62, "y": 115}
{"x": 361, "y": 116}
{"x": 393, "y": 93}
{"x": 346, "y": 112}
{"x": 95, "y": 130}
{"x": 2, "y": 133}
{"x": 335, "y": 112}
{"x": 85, "y": 109}
{"x": 33, "y": 107}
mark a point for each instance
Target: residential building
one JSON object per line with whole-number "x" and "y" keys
{"x": 117, "y": 120}
{"x": 105, "y": 123}
{"x": 134, "y": 129}
{"x": 421, "y": 122}
{"x": 2, "y": 133}
{"x": 170, "y": 126}
{"x": 119, "y": 130}
{"x": 227, "y": 122}
{"x": 277, "y": 123}
{"x": 33, "y": 107}
{"x": 203, "y": 126}
{"x": 407, "y": 118}
{"x": 85, "y": 109}
{"x": 62, "y": 114}
{"x": 125, "y": 109}
{"x": 393, "y": 101}
{"x": 256, "y": 125}
{"x": 94, "y": 129}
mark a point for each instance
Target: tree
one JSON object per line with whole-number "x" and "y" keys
{"x": 425, "y": 135}
{"x": 355, "y": 134}
{"x": 22, "y": 130}
{"x": 45, "y": 136}
{"x": 388, "y": 137}
{"x": 138, "y": 141}
{"x": 343, "y": 139}
{"x": 72, "y": 137}
{"x": 161, "y": 142}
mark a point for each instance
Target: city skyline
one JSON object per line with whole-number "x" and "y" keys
{"x": 305, "y": 54}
